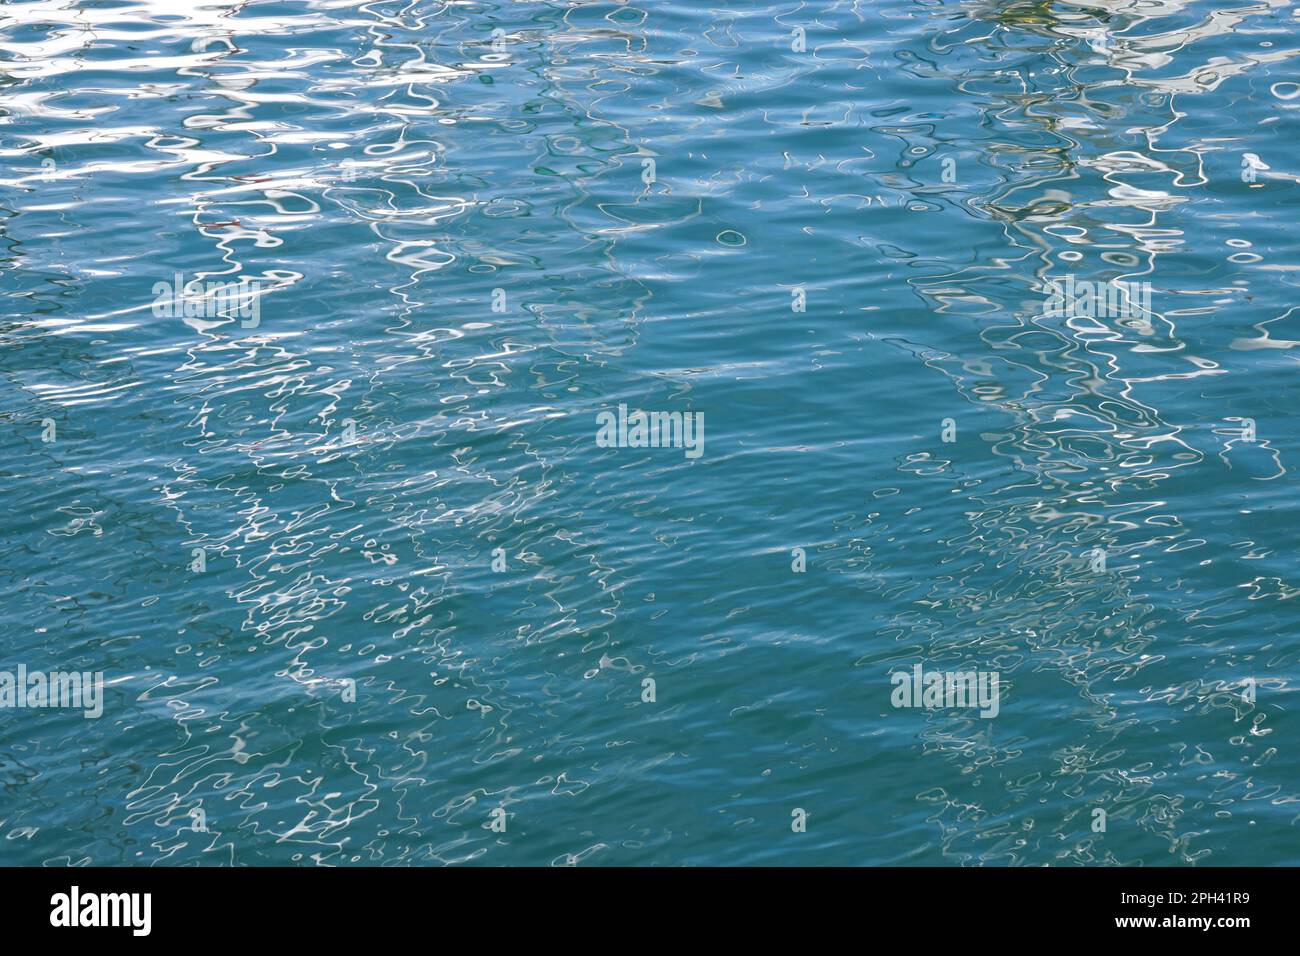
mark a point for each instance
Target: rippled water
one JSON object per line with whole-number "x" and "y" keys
{"x": 473, "y": 227}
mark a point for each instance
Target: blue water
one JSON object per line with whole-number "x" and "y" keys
{"x": 475, "y": 227}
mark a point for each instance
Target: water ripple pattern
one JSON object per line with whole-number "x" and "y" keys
{"x": 314, "y": 315}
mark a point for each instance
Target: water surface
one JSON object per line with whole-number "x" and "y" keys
{"x": 475, "y": 226}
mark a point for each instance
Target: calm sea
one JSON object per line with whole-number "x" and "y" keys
{"x": 963, "y": 531}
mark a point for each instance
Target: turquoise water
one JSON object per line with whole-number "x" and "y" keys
{"x": 468, "y": 230}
